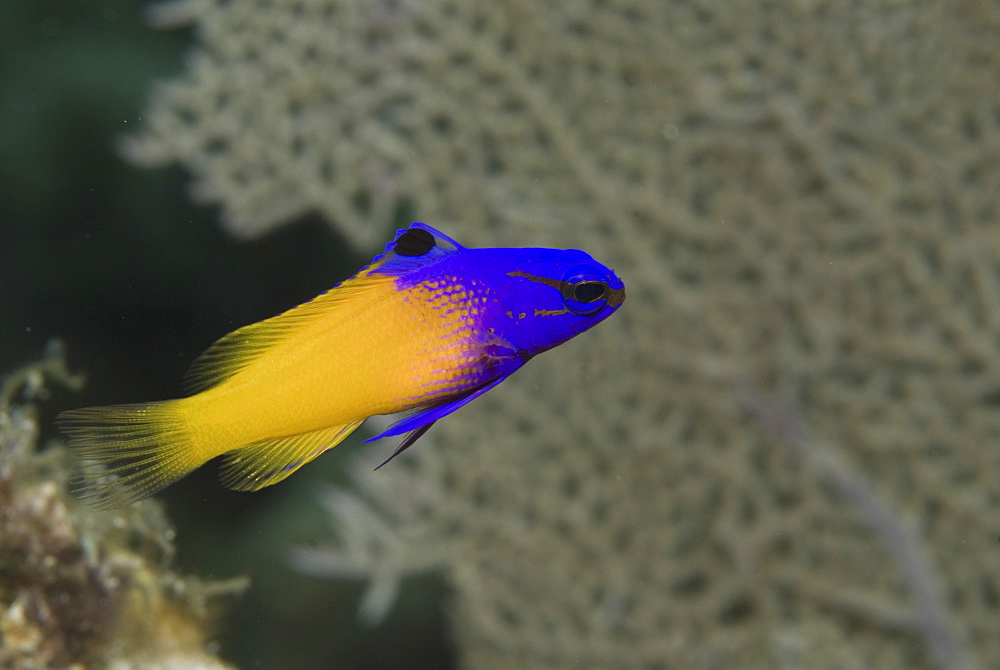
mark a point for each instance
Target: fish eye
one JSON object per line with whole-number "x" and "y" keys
{"x": 414, "y": 242}
{"x": 584, "y": 291}
{"x": 589, "y": 291}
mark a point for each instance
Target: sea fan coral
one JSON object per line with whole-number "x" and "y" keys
{"x": 802, "y": 198}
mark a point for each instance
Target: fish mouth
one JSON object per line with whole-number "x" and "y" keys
{"x": 616, "y": 296}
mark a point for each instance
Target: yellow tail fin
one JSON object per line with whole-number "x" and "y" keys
{"x": 128, "y": 452}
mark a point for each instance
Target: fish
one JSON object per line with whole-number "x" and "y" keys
{"x": 426, "y": 328}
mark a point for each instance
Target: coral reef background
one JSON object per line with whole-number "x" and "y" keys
{"x": 783, "y": 452}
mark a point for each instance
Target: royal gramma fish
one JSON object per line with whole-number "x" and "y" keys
{"x": 427, "y": 327}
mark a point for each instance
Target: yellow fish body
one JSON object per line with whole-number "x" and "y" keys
{"x": 274, "y": 395}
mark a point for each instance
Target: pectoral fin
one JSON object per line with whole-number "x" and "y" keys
{"x": 410, "y": 439}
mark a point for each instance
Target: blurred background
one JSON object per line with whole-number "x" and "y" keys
{"x": 782, "y": 452}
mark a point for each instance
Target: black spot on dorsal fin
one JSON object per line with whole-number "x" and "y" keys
{"x": 414, "y": 242}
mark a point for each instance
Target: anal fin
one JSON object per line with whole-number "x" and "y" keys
{"x": 267, "y": 462}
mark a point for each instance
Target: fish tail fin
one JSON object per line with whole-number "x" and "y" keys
{"x": 128, "y": 452}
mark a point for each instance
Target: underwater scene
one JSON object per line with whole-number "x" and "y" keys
{"x": 781, "y": 450}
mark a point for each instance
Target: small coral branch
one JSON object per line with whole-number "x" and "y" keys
{"x": 928, "y": 614}
{"x": 373, "y": 542}
{"x": 17, "y": 419}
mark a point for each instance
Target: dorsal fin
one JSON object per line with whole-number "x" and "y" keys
{"x": 418, "y": 246}
{"x": 240, "y": 348}
{"x": 237, "y": 350}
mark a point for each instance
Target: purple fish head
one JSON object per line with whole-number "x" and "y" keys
{"x": 492, "y": 309}
{"x": 540, "y": 298}
{"x": 523, "y": 299}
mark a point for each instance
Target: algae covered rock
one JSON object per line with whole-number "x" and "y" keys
{"x": 80, "y": 588}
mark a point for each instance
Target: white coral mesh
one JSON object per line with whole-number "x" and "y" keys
{"x": 802, "y": 199}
